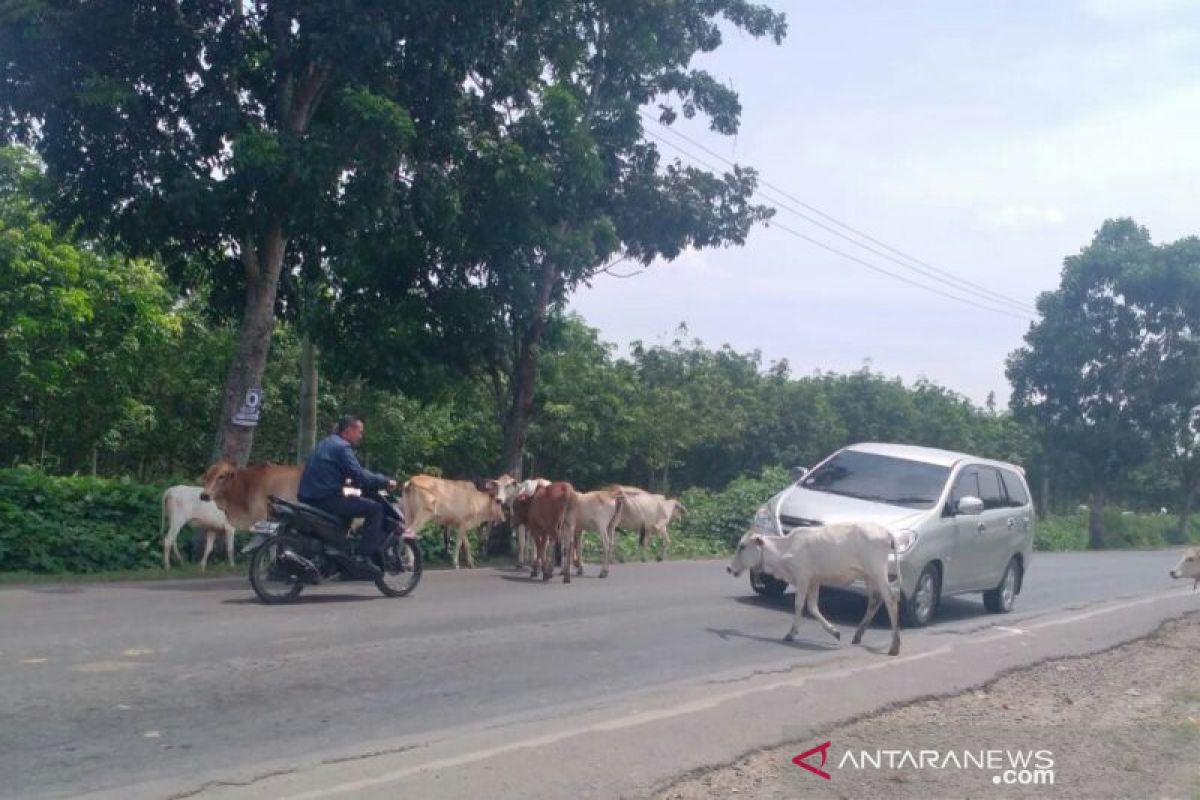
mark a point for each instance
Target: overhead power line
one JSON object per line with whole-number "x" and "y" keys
{"x": 929, "y": 271}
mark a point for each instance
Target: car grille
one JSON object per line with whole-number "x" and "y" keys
{"x": 790, "y": 523}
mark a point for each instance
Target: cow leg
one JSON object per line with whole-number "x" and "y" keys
{"x": 229, "y": 535}
{"x": 578, "y": 546}
{"x": 566, "y": 541}
{"x": 546, "y": 552}
{"x": 169, "y": 544}
{"x": 520, "y": 546}
{"x": 666, "y": 540}
{"x": 893, "y": 609}
{"x": 872, "y": 607}
{"x": 209, "y": 536}
{"x": 801, "y": 599}
{"x": 811, "y": 601}
{"x": 642, "y": 543}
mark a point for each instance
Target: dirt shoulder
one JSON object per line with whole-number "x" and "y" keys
{"x": 1119, "y": 724}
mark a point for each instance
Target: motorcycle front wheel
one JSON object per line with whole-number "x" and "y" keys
{"x": 401, "y": 567}
{"x": 269, "y": 580}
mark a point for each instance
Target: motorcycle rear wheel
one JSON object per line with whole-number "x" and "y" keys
{"x": 269, "y": 581}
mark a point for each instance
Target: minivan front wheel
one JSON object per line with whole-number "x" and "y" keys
{"x": 767, "y": 586}
{"x": 919, "y": 609}
{"x": 1001, "y": 599}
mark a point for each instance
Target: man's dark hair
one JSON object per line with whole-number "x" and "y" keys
{"x": 345, "y": 421}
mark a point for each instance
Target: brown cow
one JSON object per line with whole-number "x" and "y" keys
{"x": 243, "y": 493}
{"x": 549, "y": 514}
{"x": 457, "y": 504}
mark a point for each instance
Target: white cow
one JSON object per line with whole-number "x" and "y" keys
{"x": 1189, "y": 567}
{"x": 181, "y": 505}
{"x": 649, "y": 514}
{"x": 833, "y": 555}
{"x": 509, "y": 492}
{"x": 597, "y": 511}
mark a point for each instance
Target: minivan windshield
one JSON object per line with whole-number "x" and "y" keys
{"x": 880, "y": 479}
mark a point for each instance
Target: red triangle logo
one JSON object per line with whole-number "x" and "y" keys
{"x": 823, "y": 749}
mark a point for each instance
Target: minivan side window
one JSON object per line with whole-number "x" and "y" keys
{"x": 991, "y": 493}
{"x": 965, "y": 485}
{"x": 1017, "y": 496}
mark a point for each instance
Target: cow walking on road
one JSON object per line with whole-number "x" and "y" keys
{"x": 833, "y": 555}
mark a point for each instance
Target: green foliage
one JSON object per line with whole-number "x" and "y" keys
{"x": 80, "y": 525}
{"x": 1122, "y": 530}
{"x": 723, "y": 516}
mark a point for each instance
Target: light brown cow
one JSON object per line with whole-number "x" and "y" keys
{"x": 457, "y": 504}
{"x": 550, "y": 515}
{"x": 649, "y": 514}
{"x": 597, "y": 511}
{"x": 243, "y": 493}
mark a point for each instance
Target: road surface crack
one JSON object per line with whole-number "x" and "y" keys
{"x": 204, "y": 787}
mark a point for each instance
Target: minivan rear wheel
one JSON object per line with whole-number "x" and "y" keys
{"x": 767, "y": 586}
{"x": 1001, "y": 599}
{"x": 918, "y": 610}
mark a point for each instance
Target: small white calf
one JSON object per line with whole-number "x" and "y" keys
{"x": 833, "y": 555}
{"x": 1189, "y": 567}
{"x": 181, "y": 505}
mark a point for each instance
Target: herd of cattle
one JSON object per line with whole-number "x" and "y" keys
{"x": 543, "y": 513}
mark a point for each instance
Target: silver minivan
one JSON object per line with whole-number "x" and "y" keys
{"x": 961, "y": 523}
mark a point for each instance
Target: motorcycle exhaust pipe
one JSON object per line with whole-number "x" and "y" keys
{"x": 299, "y": 567}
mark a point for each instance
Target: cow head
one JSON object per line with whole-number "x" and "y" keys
{"x": 215, "y": 478}
{"x": 1189, "y": 567}
{"x": 748, "y": 556}
{"x": 495, "y": 509}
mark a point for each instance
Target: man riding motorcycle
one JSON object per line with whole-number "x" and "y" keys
{"x": 325, "y": 474}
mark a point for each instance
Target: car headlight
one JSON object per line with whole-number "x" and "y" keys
{"x": 904, "y": 540}
{"x": 763, "y": 522}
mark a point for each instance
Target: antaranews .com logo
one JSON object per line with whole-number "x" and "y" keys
{"x": 1007, "y": 767}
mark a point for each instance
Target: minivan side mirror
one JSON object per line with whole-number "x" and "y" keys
{"x": 969, "y": 506}
{"x": 798, "y": 473}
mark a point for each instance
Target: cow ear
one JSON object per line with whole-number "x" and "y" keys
{"x": 491, "y": 487}
{"x": 758, "y": 540}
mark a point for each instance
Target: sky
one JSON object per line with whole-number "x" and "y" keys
{"x": 989, "y": 140}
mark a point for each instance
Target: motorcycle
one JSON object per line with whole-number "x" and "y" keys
{"x": 300, "y": 545}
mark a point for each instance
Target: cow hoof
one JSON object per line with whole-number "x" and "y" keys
{"x": 895, "y": 651}
{"x": 579, "y": 572}
{"x": 658, "y": 558}
{"x": 603, "y": 573}
{"x": 566, "y": 578}
{"x": 545, "y": 577}
{"x": 837, "y": 635}
{"x": 791, "y": 637}
{"x": 857, "y": 639}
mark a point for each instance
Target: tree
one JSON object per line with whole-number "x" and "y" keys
{"x": 1085, "y": 375}
{"x": 562, "y": 177}
{"x": 75, "y": 326}
{"x": 223, "y": 128}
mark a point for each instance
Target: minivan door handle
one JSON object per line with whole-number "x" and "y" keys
{"x": 981, "y": 527}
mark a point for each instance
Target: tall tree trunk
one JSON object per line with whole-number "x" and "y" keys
{"x": 516, "y": 426}
{"x": 262, "y": 266}
{"x": 1096, "y": 519}
{"x": 308, "y": 400}
{"x": 95, "y": 460}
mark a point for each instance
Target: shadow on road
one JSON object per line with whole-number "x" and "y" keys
{"x": 847, "y": 608}
{"x": 801, "y": 644}
{"x": 305, "y": 600}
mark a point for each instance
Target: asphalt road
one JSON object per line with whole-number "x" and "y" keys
{"x": 105, "y": 686}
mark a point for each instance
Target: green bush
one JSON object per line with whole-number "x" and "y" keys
{"x": 54, "y": 525}
{"x": 723, "y": 516}
{"x": 1122, "y": 530}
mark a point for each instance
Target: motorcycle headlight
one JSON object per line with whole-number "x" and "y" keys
{"x": 763, "y": 522}
{"x": 904, "y": 540}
